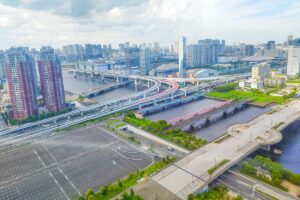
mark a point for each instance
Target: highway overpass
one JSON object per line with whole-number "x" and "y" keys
{"x": 190, "y": 174}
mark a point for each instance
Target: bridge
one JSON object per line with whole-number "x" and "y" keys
{"x": 112, "y": 86}
{"x": 190, "y": 174}
{"x": 198, "y": 119}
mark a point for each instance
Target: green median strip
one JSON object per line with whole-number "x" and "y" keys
{"x": 214, "y": 168}
{"x": 278, "y": 125}
{"x": 267, "y": 195}
{"x": 220, "y": 140}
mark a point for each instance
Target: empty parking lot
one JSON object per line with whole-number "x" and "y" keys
{"x": 63, "y": 167}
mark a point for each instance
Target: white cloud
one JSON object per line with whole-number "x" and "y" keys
{"x": 33, "y": 23}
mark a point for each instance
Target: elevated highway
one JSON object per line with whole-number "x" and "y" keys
{"x": 33, "y": 130}
{"x": 137, "y": 100}
{"x": 153, "y": 89}
{"x": 190, "y": 174}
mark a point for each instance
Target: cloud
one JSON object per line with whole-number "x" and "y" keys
{"x": 60, "y": 22}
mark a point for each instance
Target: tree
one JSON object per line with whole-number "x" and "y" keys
{"x": 92, "y": 197}
{"x": 248, "y": 169}
{"x": 190, "y": 197}
{"x": 131, "y": 192}
{"x": 124, "y": 195}
{"x": 103, "y": 190}
{"x": 89, "y": 192}
{"x": 120, "y": 184}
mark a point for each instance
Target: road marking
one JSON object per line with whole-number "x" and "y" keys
{"x": 50, "y": 153}
{"x": 71, "y": 183}
{"x": 63, "y": 191}
{"x": 34, "y": 151}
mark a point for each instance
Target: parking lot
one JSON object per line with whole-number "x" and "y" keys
{"x": 63, "y": 167}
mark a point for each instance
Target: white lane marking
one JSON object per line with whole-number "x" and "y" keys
{"x": 50, "y": 153}
{"x": 34, "y": 151}
{"x": 63, "y": 191}
{"x": 71, "y": 183}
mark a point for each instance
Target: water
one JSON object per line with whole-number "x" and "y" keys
{"x": 183, "y": 109}
{"x": 290, "y": 148}
{"x": 80, "y": 85}
{"x": 213, "y": 131}
{"x": 114, "y": 94}
{"x": 218, "y": 129}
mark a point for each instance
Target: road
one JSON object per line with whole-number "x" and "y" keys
{"x": 244, "y": 140}
{"x": 250, "y": 187}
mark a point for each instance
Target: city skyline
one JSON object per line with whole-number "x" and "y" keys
{"x": 61, "y": 22}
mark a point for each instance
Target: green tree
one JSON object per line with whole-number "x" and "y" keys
{"x": 120, "y": 184}
{"x": 248, "y": 169}
{"x": 89, "y": 192}
{"x": 131, "y": 192}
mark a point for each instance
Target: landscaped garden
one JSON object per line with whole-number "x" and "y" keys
{"x": 161, "y": 129}
{"x": 230, "y": 92}
{"x": 268, "y": 171}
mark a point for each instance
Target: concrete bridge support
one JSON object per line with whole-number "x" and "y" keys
{"x": 148, "y": 84}
{"x": 266, "y": 147}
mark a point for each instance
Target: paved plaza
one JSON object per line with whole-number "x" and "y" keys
{"x": 63, "y": 167}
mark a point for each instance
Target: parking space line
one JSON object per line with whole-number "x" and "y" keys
{"x": 63, "y": 191}
{"x": 34, "y": 151}
{"x": 71, "y": 183}
{"x": 50, "y": 153}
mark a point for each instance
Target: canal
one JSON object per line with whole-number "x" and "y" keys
{"x": 215, "y": 130}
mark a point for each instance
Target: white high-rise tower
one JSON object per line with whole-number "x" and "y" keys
{"x": 293, "y": 67}
{"x": 182, "y": 56}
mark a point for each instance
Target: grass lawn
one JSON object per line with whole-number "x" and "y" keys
{"x": 297, "y": 80}
{"x": 237, "y": 95}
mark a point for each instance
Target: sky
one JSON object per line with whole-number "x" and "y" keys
{"x": 59, "y": 22}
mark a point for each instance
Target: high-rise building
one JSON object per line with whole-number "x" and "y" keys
{"x": 93, "y": 51}
{"x": 145, "y": 60}
{"x": 290, "y": 40}
{"x": 73, "y": 52}
{"x": 2, "y": 67}
{"x": 182, "y": 57}
{"x": 271, "y": 45}
{"x": 21, "y": 83}
{"x": 248, "y": 50}
{"x": 51, "y": 80}
{"x": 193, "y": 55}
{"x": 293, "y": 67}
{"x": 209, "y": 50}
{"x": 223, "y": 45}
{"x": 132, "y": 56}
